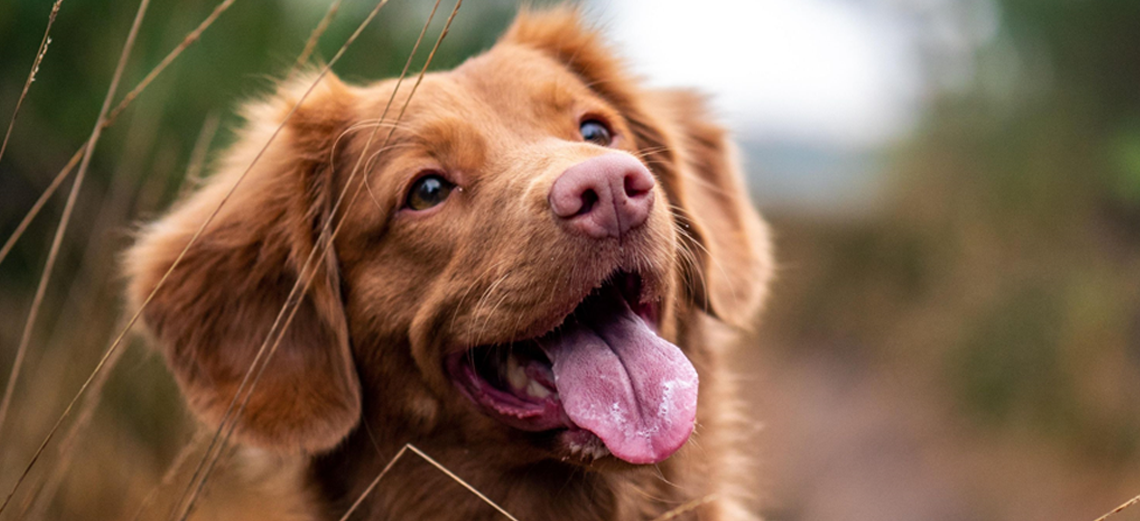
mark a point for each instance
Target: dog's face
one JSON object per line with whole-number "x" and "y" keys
{"x": 517, "y": 271}
{"x": 536, "y": 253}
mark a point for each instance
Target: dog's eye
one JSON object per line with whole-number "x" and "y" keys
{"x": 428, "y": 191}
{"x": 596, "y": 132}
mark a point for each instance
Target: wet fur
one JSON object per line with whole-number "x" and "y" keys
{"x": 359, "y": 372}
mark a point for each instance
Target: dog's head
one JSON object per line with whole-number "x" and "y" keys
{"x": 519, "y": 270}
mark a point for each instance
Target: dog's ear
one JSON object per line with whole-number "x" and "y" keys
{"x": 216, "y": 308}
{"x": 563, "y": 34}
{"x": 692, "y": 157}
{"x": 705, "y": 182}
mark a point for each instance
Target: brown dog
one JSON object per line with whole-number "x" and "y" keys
{"x": 547, "y": 263}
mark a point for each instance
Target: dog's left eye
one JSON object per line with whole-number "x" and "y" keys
{"x": 428, "y": 191}
{"x": 596, "y": 132}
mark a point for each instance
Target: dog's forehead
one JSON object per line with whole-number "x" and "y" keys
{"x": 508, "y": 96}
{"x": 517, "y": 84}
{"x": 507, "y": 81}
{"x": 516, "y": 69}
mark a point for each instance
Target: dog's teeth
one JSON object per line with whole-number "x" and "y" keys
{"x": 537, "y": 390}
{"x": 516, "y": 375}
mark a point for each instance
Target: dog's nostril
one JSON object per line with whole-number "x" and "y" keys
{"x": 638, "y": 184}
{"x": 604, "y": 196}
{"x": 589, "y": 199}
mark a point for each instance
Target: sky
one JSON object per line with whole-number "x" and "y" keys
{"x": 833, "y": 72}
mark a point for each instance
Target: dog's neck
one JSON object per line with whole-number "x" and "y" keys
{"x": 413, "y": 488}
{"x": 509, "y": 471}
{"x": 512, "y": 473}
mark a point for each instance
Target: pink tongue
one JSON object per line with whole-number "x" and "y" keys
{"x": 619, "y": 380}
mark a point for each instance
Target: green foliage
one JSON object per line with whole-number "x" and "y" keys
{"x": 1010, "y": 359}
{"x": 1036, "y": 195}
{"x": 1004, "y": 268}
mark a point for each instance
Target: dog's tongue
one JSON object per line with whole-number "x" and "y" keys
{"x": 617, "y": 379}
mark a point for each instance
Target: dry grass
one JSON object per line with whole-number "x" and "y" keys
{"x": 409, "y": 447}
{"x": 57, "y": 241}
{"x": 126, "y": 102}
{"x": 81, "y": 158}
{"x": 309, "y": 269}
{"x": 225, "y": 428}
{"x": 1127, "y": 504}
{"x": 31, "y": 74}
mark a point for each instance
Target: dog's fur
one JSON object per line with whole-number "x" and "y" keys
{"x": 360, "y": 373}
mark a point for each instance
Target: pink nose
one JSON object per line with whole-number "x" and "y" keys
{"x": 604, "y": 196}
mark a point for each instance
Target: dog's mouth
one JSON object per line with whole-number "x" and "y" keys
{"x": 603, "y": 376}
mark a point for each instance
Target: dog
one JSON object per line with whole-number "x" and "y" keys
{"x": 537, "y": 282}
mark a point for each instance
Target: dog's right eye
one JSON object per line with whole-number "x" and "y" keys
{"x": 596, "y": 132}
{"x": 428, "y": 191}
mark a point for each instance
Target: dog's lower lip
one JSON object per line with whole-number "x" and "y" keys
{"x": 514, "y": 405}
{"x": 531, "y": 402}
{"x": 605, "y": 372}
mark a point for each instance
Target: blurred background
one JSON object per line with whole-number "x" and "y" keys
{"x": 954, "y": 187}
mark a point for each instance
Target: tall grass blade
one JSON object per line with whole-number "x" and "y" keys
{"x": 314, "y": 38}
{"x": 58, "y": 239}
{"x": 189, "y": 39}
{"x": 408, "y": 446}
{"x": 1127, "y": 504}
{"x": 303, "y": 281}
{"x": 44, "y": 42}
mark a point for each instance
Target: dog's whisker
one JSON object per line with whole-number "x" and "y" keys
{"x": 492, "y": 311}
{"x": 479, "y": 304}
{"x": 684, "y": 232}
{"x": 600, "y": 81}
{"x": 643, "y": 491}
{"x": 688, "y": 507}
{"x": 688, "y": 256}
{"x": 459, "y": 305}
{"x": 720, "y": 267}
{"x": 705, "y": 183}
{"x": 371, "y": 436}
{"x": 648, "y": 151}
{"x": 661, "y": 477}
{"x": 477, "y": 309}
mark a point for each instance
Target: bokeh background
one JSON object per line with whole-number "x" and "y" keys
{"x": 954, "y": 187}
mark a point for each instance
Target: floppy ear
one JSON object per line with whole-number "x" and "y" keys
{"x": 691, "y": 156}
{"x": 709, "y": 186}
{"x": 216, "y": 309}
